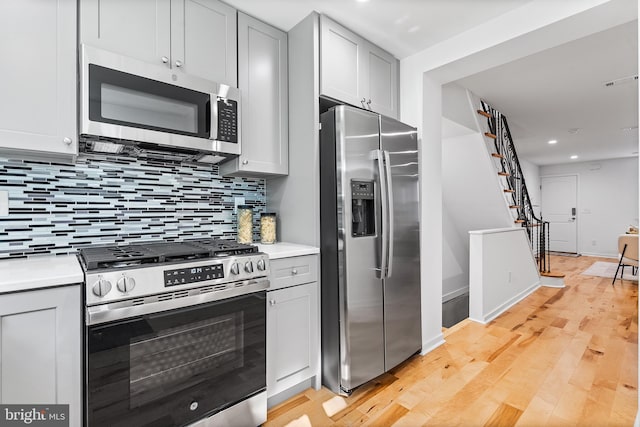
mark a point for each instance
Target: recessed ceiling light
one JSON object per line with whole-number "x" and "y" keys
{"x": 573, "y": 157}
{"x": 553, "y": 141}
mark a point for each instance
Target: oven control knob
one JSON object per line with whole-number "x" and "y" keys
{"x": 101, "y": 287}
{"x": 235, "y": 268}
{"x": 261, "y": 265}
{"x": 248, "y": 267}
{"x": 126, "y": 284}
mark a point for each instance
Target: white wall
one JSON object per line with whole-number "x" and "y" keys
{"x": 607, "y": 201}
{"x": 531, "y": 174}
{"x": 472, "y": 199}
{"x": 524, "y": 31}
{"x": 501, "y": 272}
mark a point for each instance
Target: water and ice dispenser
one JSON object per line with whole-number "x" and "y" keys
{"x": 362, "y": 209}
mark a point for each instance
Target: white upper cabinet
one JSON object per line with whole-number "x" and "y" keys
{"x": 203, "y": 39}
{"x": 38, "y": 77}
{"x": 354, "y": 71}
{"x": 194, "y": 37}
{"x": 263, "y": 83}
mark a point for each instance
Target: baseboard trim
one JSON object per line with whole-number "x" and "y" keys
{"x": 432, "y": 344}
{"x": 600, "y": 255}
{"x": 488, "y": 317}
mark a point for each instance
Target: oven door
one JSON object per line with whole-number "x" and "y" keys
{"x": 176, "y": 367}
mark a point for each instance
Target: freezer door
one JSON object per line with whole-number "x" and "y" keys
{"x": 402, "y": 325}
{"x": 360, "y": 288}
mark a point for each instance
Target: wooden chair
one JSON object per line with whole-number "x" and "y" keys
{"x": 628, "y": 250}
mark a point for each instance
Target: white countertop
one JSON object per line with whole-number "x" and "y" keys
{"x": 39, "y": 272}
{"x": 286, "y": 250}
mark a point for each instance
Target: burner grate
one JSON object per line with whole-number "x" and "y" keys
{"x": 104, "y": 257}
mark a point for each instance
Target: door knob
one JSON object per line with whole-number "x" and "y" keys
{"x": 164, "y": 59}
{"x": 67, "y": 140}
{"x": 178, "y": 63}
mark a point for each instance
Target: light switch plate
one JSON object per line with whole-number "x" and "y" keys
{"x": 4, "y": 203}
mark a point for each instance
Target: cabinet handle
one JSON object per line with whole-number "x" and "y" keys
{"x": 294, "y": 271}
{"x": 369, "y": 104}
{"x": 164, "y": 59}
{"x": 245, "y": 162}
{"x": 272, "y": 302}
{"x": 362, "y": 102}
{"x": 67, "y": 140}
{"x": 178, "y": 63}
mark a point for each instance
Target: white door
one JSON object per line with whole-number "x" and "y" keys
{"x": 559, "y": 207}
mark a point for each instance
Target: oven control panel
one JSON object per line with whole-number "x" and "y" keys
{"x": 117, "y": 284}
{"x": 184, "y": 276}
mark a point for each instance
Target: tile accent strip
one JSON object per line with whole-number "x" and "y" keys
{"x": 56, "y": 208}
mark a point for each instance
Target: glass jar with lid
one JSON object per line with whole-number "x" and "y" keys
{"x": 245, "y": 224}
{"x": 267, "y": 228}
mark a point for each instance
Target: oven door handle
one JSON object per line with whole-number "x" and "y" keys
{"x": 121, "y": 310}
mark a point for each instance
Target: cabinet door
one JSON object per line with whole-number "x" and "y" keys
{"x": 136, "y": 28}
{"x": 292, "y": 336}
{"x": 38, "y": 76}
{"x": 380, "y": 81}
{"x": 263, "y": 83}
{"x": 340, "y": 63}
{"x": 40, "y": 350}
{"x": 203, "y": 40}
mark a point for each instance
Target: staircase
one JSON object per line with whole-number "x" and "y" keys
{"x": 515, "y": 191}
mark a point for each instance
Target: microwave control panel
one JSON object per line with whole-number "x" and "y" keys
{"x": 227, "y": 120}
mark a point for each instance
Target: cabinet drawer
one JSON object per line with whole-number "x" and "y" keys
{"x": 293, "y": 271}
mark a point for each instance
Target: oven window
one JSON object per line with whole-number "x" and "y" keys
{"x": 151, "y": 370}
{"x": 124, "y": 99}
{"x": 175, "y": 358}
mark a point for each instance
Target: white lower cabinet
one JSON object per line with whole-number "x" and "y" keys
{"x": 292, "y": 332}
{"x": 40, "y": 349}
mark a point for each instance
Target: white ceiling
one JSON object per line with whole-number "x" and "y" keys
{"x": 543, "y": 95}
{"x": 547, "y": 94}
{"x": 402, "y": 27}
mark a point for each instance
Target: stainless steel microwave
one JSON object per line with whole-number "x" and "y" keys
{"x": 132, "y": 102}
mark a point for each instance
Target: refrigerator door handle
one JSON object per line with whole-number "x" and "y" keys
{"x": 390, "y": 222}
{"x": 379, "y": 156}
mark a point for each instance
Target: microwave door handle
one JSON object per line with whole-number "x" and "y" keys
{"x": 389, "y": 201}
{"x": 213, "y": 119}
{"x": 379, "y": 157}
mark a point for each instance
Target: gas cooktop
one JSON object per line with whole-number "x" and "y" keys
{"x": 119, "y": 273}
{"x": 159, "y": 252}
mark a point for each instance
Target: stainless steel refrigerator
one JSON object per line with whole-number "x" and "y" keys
{"x": 370, "y": 250}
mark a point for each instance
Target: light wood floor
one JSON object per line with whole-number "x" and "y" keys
{"x": 565, "y": 357}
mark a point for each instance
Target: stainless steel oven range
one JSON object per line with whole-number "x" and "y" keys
{"x": 175, "y": 334}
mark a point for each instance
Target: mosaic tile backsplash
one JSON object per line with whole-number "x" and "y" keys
{"x": 59, "y": 207}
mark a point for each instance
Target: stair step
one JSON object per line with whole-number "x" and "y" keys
{"x": 509, "y": 191}
{"x": 519, "y": 221}
{"x": 490, "y": 135}
{"x": 504, "y": 174}
{"x": 551, "y": 274}
{"x": 484, "y": 113}
{"x": 515, "y": 207}
{"x": 497, "y": 155}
